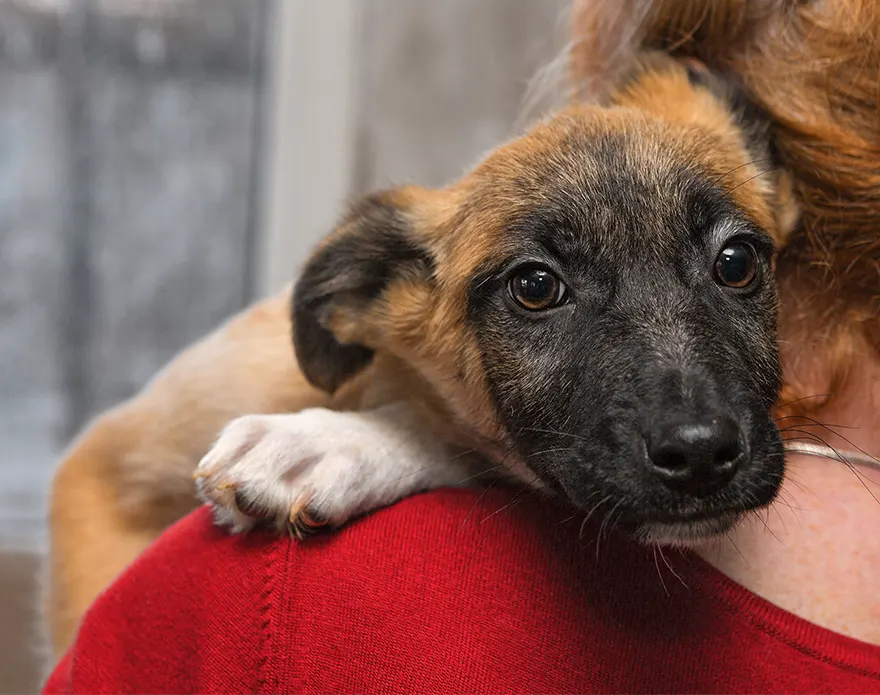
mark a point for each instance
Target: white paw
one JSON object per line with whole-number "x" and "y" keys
{"x": 317, "y": 467}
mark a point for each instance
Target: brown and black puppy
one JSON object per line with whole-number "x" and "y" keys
{"x": 813, "y": 66}
{"x": 591, "y": 310}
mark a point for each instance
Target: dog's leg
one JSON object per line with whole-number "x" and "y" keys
{"x": 129, "y": 475}
{"x": 323, "y": 467}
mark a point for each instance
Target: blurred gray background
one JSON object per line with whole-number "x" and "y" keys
{"x": 163, "y": 162}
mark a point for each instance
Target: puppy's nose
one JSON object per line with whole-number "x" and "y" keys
{"x": 698, "y": 457}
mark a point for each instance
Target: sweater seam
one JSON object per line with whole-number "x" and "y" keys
{"x": 274, "y": 574}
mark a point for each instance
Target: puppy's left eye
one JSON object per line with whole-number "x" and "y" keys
{"x": 736, "y": 265}
{"x": 536, "y": 288}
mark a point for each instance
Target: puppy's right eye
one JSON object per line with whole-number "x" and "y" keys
{"x": 536, "y": 288}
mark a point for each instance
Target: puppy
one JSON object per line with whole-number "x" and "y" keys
{"x": 591, "y": 310}
{"x": 813, "y": 67}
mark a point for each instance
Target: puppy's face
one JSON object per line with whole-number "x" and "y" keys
{"x": 626, "y": 325}
{"x": 596, "y": 299}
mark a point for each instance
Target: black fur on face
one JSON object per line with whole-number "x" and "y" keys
{"x": 644, "y": 390}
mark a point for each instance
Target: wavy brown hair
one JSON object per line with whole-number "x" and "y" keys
{"x": 814, "y": 66}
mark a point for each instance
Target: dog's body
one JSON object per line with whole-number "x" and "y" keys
{"x": 405, "y": 315}
{"x": 436, "y": 319}
{"x": 647, "y": 358}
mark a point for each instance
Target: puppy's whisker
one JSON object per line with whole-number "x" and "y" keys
{"x": 839, "y": 457}
{"x": 485, "y": 535}
{"x": 766, "y": 513}
{"x": 763, "y": 516}
{"x": 556, "y": 432}
{"x": 438, "y": 464}
{"x": 816, "y": 422}
{"x": 506, "y": 506}
{"x": 804, "y": 398}
{"x": 671, "y": 568}
{"x": 494, "y": 482}
{"x": 605, "y": 522}
{"x": 565, "y": 449}
{"x": 605, "y": 499}
{"x": 785, "y": 499}
{"x": 476, "y": 504}
{"x": 659, "y": 573}
{"x": 798, "y": 484}
{"x": 736, "y": 547}
{"x": 477, "y": 475}
{"x": 752, "y": 178}
{"x": 803, "y": 435}
{"x": 737, "y": 168}
{"x": 567, "y": 519}
{"x": 583, "y": 526}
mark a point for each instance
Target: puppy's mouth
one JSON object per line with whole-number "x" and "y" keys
{"x": 687, "y": 532}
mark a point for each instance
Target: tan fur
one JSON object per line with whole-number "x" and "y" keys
{"x": 128, "y": 476}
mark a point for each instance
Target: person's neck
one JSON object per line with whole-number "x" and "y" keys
{"x": 816, "y": 551}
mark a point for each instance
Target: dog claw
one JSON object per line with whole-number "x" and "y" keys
{"x": 302, "y": 522}
{"x": 248, "y": 508}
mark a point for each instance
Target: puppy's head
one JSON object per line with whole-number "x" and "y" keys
{"x": 595, "y": 302}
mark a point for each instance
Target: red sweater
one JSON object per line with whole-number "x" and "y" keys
{"x": 441, "y": 594}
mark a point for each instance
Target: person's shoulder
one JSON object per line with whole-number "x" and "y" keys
{"x": 178, "y": 599}
{"x": 196, "y": 561}
{"x": 194, "y": 545}
{"x": 200, "y": 592}
{"x": 440, "y": 529}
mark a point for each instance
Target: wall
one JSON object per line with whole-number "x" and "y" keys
{"x": 127, "y": 151}
{"x": 380, "y": 92}
{"x": 128, "y": 133}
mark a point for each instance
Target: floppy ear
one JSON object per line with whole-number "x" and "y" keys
{"x": 374, "y": 244}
